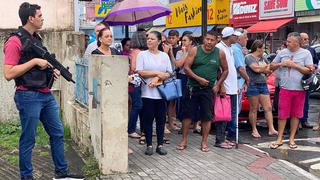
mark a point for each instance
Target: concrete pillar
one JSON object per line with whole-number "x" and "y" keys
{"x": 108, "y": 111}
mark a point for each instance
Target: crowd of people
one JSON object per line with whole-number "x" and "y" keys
{"x": 219, "y": 66}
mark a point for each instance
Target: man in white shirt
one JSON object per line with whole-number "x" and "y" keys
{"x": 229, "y": 36}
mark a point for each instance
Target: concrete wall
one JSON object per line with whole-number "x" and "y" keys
{"x": 57, "y": 14}
{"x": 108, "y": 112}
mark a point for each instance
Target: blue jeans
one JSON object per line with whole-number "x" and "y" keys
{"x": 306, "y": 108}
{"x": 34, "y": 106}
{"x": 232, "y": 125}
{"x": 135, "y": 110}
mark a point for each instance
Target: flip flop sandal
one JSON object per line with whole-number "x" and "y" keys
{"x": 204, "y": 149}
{"x": 166, "y": 141}
{"x": 181, "y": 147}
{"x": 293, "y": 146}
{"x": 142, "y": 140}
{"x": 224, "y": 145}
{"x": 255, "y": 135}
{"x": 273, "y": 134}
{"x": 230, "y": 143}
{"x": 275, "y": 146}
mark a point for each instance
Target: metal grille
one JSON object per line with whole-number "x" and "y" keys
{"x": 82, "y": 81}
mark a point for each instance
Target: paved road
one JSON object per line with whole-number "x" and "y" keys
{"x": 306, "y": 156}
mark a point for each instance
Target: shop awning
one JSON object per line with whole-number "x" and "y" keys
{"x": 268, "y": 26}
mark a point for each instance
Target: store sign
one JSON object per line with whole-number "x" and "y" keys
{"x": 305, "y": 5}
{"x": 101, "y": 10}
{"x": 245, "y": 11}
{"x": 188, "y": 13}
{"x": 276, "y": 9}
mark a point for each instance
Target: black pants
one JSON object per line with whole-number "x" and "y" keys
{"x": 154, "y": 109}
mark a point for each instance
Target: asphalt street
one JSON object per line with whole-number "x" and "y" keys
{"x": 306, "y": 156}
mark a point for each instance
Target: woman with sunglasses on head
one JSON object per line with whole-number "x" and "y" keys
{"x": 104, "y": 41}
{"x": 154, "y": 66}
{"x": 257, "y": 92}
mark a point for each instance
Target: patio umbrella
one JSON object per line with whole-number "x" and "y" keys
{"x": 131, "y": 12}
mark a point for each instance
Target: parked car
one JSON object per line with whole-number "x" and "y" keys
{"x": 244, "y": 113}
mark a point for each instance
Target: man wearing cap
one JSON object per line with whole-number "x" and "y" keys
{"x": 229, "y": 37}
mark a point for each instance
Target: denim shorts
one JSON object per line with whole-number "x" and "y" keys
{"x": 255, "y": 89}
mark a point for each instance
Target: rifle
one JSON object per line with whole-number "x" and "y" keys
{"x": 44, "y": 54}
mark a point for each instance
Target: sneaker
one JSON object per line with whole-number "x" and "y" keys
{"x": 149, "y": 151}
{"x": 68, "y": 176}
{"x": 161, "y": 151}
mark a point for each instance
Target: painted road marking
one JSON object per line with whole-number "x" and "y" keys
{"x": 300, "y": 147}
{"x": 301, "y": 171}
{"x": 310, "y": 161}
{"x": 315, "y": 169}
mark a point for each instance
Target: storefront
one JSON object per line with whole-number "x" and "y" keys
{"x": 276, "y": 21}
{"x": 308, "y": 17}
{"x": 245, "y": 13}
{"x": 186, "y": 15}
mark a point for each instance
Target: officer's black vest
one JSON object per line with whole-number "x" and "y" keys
{"x": 35, "y": 77}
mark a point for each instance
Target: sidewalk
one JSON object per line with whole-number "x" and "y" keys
{"x": 192, "y": 163}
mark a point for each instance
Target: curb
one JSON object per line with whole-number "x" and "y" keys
{"x": 300, "y": 170}
{"x": 261, "y": 154}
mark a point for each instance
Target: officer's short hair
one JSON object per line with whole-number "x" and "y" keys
{"x": 27, "y": 10}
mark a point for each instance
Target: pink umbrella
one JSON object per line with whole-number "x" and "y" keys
{"x": 130, "y": 12}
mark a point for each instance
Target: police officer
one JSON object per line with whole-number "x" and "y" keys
{"x": 33, "y": 98}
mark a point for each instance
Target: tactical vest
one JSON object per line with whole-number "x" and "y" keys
{"x": 35, "y": 77}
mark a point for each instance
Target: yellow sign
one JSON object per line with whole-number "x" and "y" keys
{"x": 188, "y": 13}
{"x": 101, "y": 10}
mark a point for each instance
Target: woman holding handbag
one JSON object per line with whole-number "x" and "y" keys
{"x": 154, "y": 66}
{"x": 257, "y": 92}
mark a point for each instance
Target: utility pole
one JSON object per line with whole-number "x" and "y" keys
{"x": 204, "y": 23}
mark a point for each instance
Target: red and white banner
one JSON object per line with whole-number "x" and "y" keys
{"x": 245, "y": 12}
{"x": 276, "y": 9}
